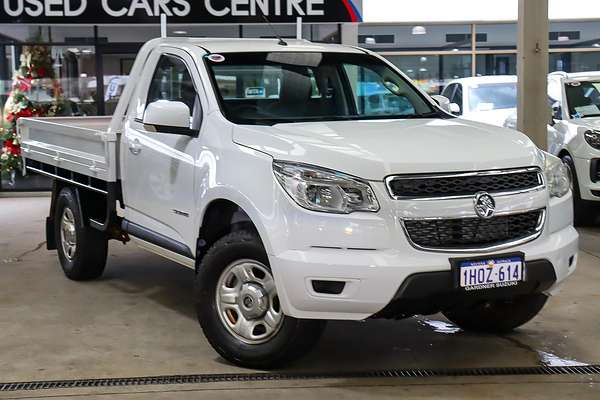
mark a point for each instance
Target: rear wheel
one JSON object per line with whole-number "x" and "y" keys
{"x": 239, "y": 310}
{"x": 82, "y": 250}
{"x": 585, "y": 211}
{"x": 497, "y": 316}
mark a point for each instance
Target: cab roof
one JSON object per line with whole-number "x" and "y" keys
{"x": 229, "y": 45}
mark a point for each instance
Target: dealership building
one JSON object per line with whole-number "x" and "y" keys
{"x": 94, "y": 44}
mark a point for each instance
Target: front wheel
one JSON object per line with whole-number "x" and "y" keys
{"x": 497, "y": 316}
{"x": 239, "y": 310}
{"x": 585, "y": 212}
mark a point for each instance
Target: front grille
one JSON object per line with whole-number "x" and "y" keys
{"x": 463, "y": 184}
{"x": 473, "y": 233}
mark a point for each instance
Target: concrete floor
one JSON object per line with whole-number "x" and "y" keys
{"x": 138, "y": 320}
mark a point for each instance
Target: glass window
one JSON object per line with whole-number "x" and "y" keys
{"x": 267, "y": 32}
{"x": 215, "y": 30}
{"x": 325, "y": 33}
{"x": 492, "y": 96}
{"x": 583, "y": 98}
{"x": 115, "y": 34}
{"x": 574, "y": 61}
{"x": 11, "y": 33}
{"x": 432, "y": 73}
{"x": 375, "y": 95}
{"x": 73, "y": 74}
{"x": 496, "y": 64}
{"x": 172, "y": 81}
{"x": 267, "y": 88}
{"x": 416, "y": 37}
{"x": 574, "y": 34}
{"x": 496, "y": 36}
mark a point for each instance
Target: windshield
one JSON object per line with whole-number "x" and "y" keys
{"x": 269, "y": 88}
{"x": 493, "y": 96}
{"x": 583, "y": 98}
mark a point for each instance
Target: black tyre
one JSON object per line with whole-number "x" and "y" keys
{"x": 498, "y": 316}
{"x": 238, "y": 308}
{"x": 81, "y": 249}
{"x": 586, "y": 212}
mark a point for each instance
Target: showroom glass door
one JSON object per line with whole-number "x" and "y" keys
{"x": 114, "y": 65}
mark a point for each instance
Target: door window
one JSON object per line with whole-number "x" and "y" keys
{"x": 172, "y": 81}
{"x": 378, "y": 93}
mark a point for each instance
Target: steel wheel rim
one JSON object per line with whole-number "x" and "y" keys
{"x": 68, "y": 233}
{"x": 247, "y": 302}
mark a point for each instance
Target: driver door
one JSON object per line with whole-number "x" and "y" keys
{"x": 159, "y": 185}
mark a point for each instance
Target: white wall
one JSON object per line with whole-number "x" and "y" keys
{"x": 469, "y": 10}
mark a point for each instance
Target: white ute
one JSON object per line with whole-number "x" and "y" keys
{"x": 574, "y": 136}
{"x": 261, "y": 166}
{"x": 488, "y": 99}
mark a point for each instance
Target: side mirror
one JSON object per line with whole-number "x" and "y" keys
{"x": 442, "y": 101}
{"x": 445, "y": 104}
{"x": 454, "y": 108}
{"x": 169, "y": 117}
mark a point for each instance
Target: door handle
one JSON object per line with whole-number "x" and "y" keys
{"x": 135, "y": 147}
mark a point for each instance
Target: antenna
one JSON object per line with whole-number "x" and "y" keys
{"x": 163, "y": 26}
{"x": 281, "y": 41}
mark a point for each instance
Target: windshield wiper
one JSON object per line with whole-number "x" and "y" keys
{"x": 590, "y": 115}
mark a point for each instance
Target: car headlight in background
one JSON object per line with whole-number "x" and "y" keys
{"x": 558, "y": 176}
{"x": 592, "y": 138}
{"x": 325, "y": 190}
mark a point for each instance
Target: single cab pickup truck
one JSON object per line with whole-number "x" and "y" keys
{"x": 266, "y": 167}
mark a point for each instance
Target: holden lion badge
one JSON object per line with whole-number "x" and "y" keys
{"x": 485, "y": 205}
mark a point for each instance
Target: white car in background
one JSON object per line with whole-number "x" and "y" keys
{"x": 487, "y": 99}
{"x": 574, "y": 136}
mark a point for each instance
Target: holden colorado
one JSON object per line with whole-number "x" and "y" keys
{"x": 265, "y": 168}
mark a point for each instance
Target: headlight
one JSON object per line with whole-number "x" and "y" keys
{"x": 325, "y": 190}
{"x": 593, "y": 138}
{"x": 558, "y": 176}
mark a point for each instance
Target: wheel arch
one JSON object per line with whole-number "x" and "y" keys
{"x": 222, "y": 216}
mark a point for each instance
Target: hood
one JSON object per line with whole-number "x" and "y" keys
{"x": 375, "y": 149}
{"x": 591, "y": 123}
{"x": 492, "y": 117}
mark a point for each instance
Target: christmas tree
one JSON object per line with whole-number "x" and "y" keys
{"x": 34, "y": 76}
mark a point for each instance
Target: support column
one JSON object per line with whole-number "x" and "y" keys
{"x": 349, "y": 34}
{"x": 532, "y": 69}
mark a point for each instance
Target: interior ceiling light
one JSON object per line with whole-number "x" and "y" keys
{"x": 419, "y": 30}
{"x": 179, "y": 32}
{"x": 563, "y": 38}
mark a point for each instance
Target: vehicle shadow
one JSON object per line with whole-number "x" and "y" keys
{"x": 350, "y": 346}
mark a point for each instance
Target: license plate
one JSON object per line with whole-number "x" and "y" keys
{"x": 491, "y": 273}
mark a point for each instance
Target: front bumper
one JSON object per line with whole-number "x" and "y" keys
{"x": 370, "y": 253}
{"x": 430, "y": 292}
{"x": 587, "y": 168}
{"x": 373, "y": 278}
